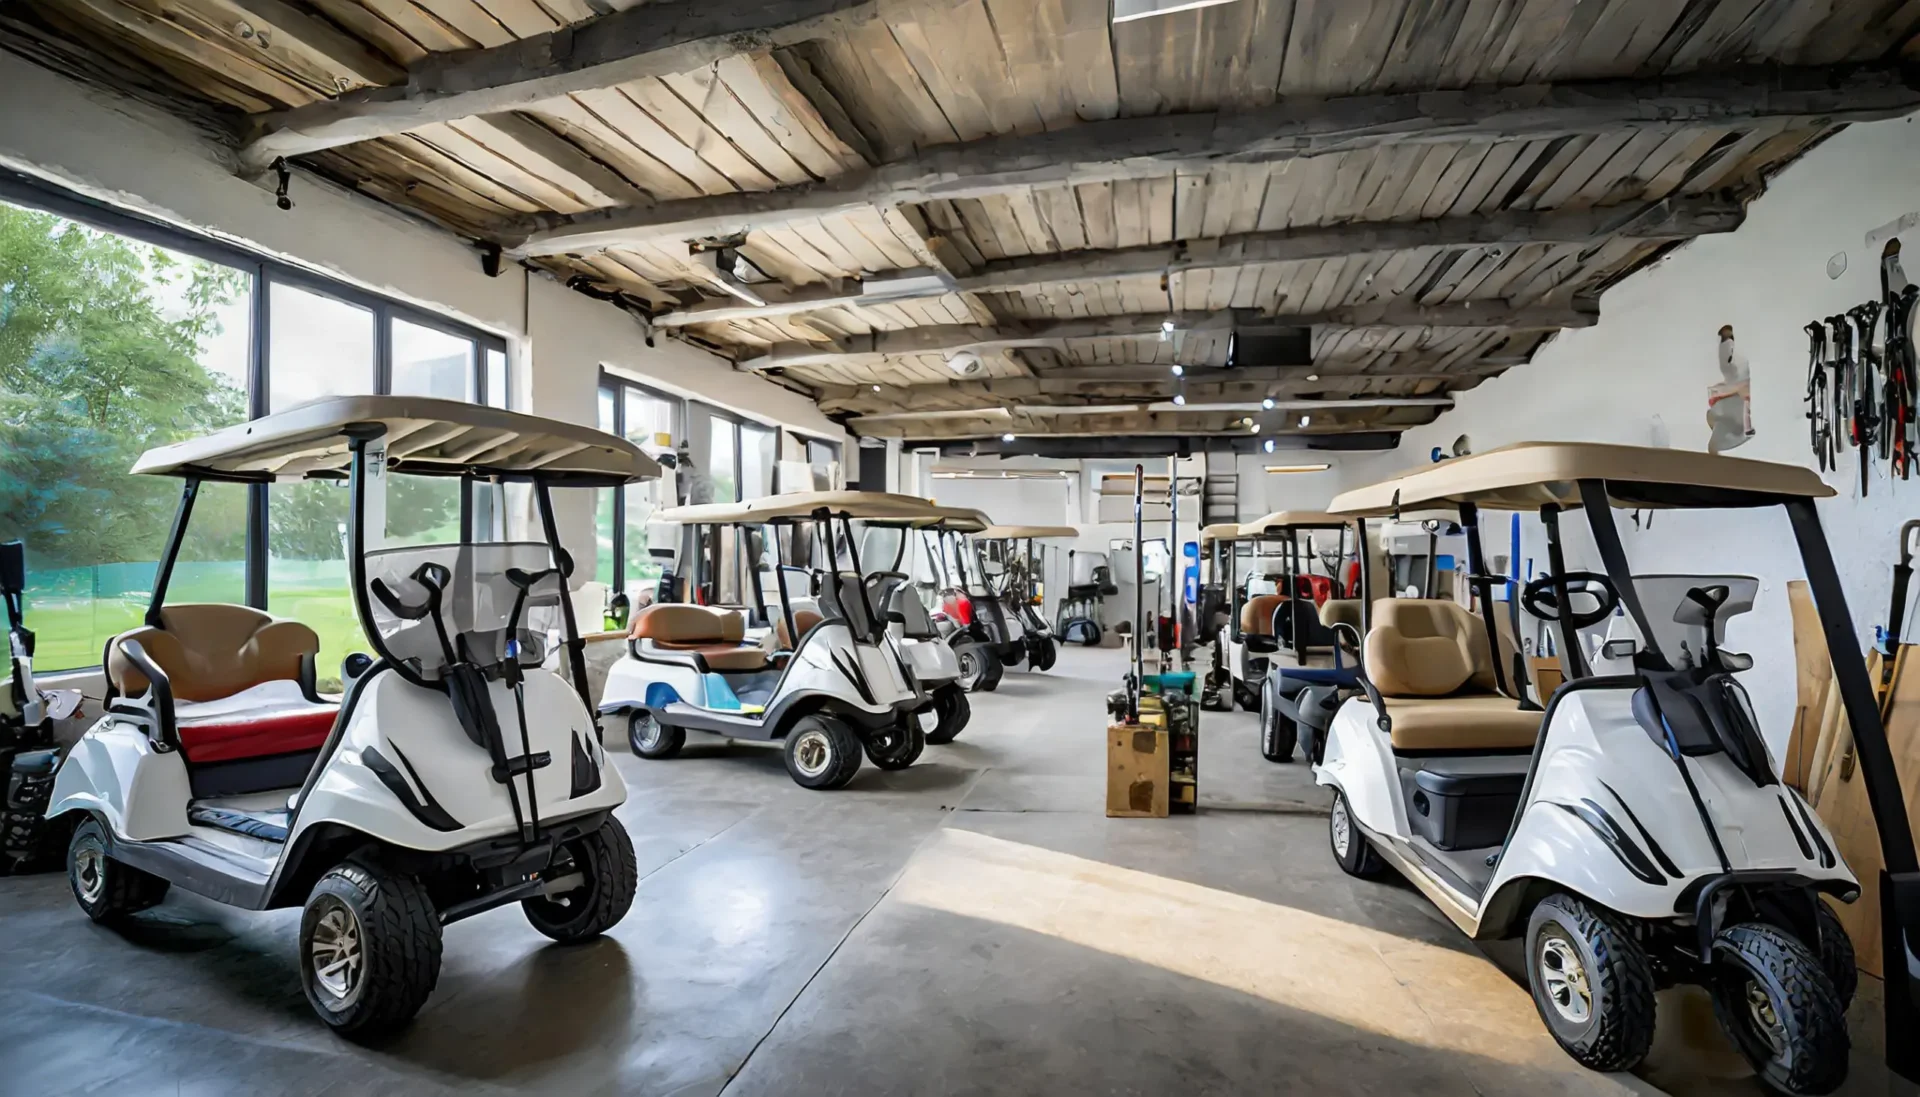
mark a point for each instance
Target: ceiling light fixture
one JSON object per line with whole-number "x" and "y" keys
{"x": 1006, "y": 438}
{"x": 1267, "y": 445}
{"x": 1180, "y": 398}
{"x": 1298, "y": 468}
{"x": 1313, "y": 377}
{"x": 1305, "y": 419}
{"x": 1125, "y": 11}
{"x": 1179, "y": 370}
{"x": 876, "y": 388}
{"x": 1267, "y": 403}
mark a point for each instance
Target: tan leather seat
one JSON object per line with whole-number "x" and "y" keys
{"x": 803, "y": 619}
{"x": 213, "y": 651}
{"x": 1428, "y": 658}
{"x": 1341, "y": 611}
{"x": 716, "y": 635}
{"x": 1256, "y": 617}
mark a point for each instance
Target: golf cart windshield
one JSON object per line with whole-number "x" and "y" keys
{"x": 485, "y": 604}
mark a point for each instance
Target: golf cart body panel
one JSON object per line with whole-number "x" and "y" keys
{"x": 115, "y": 772}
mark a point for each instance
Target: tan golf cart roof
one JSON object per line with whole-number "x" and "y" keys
{"x": 423, "y": 435}
{"x": 1529, "y": 475}
{"x": 957, "y": 519}
{"x": 1282, "y": 520}
{"x": 1220, "y": 531}
{"x": 801, "y": 505}
{"x": 1023, "y": 533}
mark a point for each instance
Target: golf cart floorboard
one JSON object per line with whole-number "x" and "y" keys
{"x": 1464, "y": 870}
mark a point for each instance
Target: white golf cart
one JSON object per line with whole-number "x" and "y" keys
{"x": 1279, "y": 594}
{"x": 836, "y": 683}
{"x": 1019, "y": 554}
{"x": 1634, "y": 829}
{"x": 937, "y": 664}
{"x": 423, "y": 796}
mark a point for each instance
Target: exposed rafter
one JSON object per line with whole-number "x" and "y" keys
{"x": 651, "y": 39}
{"x": 1673, "y": 219}
{"x": 949, "y": 338}
{"x": 1140, "y": 148}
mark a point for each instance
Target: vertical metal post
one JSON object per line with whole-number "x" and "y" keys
{"x": 1139, "y": 592}
{"x": 576, "y": 647}
{"x": 1573, "y": 661}
{"x": 1176, "y": 563}
{"x": 171, "y": 552}
{"x": 1481, "y": 584}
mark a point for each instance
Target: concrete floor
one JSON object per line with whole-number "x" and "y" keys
{"x": 971, "y": 925}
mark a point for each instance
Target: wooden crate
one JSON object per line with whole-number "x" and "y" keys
{"x": 1546, "y": 675}
{"x": 1137, "y": 781}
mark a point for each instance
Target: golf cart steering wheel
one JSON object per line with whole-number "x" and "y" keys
{"x": 1543, "y": 601}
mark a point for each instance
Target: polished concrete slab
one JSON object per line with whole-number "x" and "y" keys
{"x": 971, "y": 925}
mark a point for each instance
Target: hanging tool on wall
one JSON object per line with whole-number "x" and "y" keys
{"x": 1819, "y": 405}
{"x": 1897, "y": 296}
{"x": 1864, "y": 318}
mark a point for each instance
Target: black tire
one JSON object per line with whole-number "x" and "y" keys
{"x": 1836, "y": 954}
{"x": 822, "y": 752}
{"x": 1246, "y": 698}
{"x": 980, "y": 668}
{"x": 951, "y": 710}
{"x": 1278, "y": 732}
{"x": 1352, "y": 850}
{"x": 650, "y": 738}
{"x": 1049, "y": 654}
{"x": 604, "y": 860}
{"x": 993, "y": 669}
{"x": 390, "y": 918}
{"x": 1780, "y": 1009}
{"x": 108, "y": 890}
{"x": 898, "y": 746}
{"x": 1592, "y": 983}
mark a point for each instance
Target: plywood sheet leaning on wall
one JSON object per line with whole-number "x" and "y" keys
{"x": 1843, "y": 805}
{"x": 1813, "y": 673}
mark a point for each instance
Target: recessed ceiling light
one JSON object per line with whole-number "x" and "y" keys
{"x": 1305, "y": 419}
{"x": 1180, "y": 398}
{"x": 876, "y": 388}
{"x": 1267, "y": 403}
{"x": 1313, "y": 377}
{"x": 1179, "y": 370}
{"x": 1267, "y": 445}
{"x": 1006, "y": 438}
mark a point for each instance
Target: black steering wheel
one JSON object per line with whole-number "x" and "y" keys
{"x": 1543, "y": 601}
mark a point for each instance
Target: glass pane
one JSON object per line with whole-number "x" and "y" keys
{"x": 647, "y": 417}
{"x": 317, "y": 346}
{"x": 603, "y": 535}
{"x": 496, "y": 379}
{"x": 720, "y": 468}
{"x": 757, "y": 462}
{"x": 109, "y": 347}
{"x": 423, "y": 510}
{"x": 307, "y": 568}
{"x": 427, "y": 362}
{"x": 606, "y": 410}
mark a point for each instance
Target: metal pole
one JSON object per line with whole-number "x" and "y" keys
{"x": 1139, "y": 592}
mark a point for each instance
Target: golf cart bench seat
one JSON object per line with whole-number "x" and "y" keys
{"x": 241, "y": 681}
{"x": 803, "y": 619}
{"x": 713, "y": 639}
{"x": 1428, "y": 659}
{"x": 1256, "y": 617}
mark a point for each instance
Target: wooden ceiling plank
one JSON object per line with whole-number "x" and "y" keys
{"x": 166, "y": 35}
{"x": 1136, "y": 148}
{"x": 364, "y": 22}
{"x": 571, "y": 119}
{"x": 557, "y": 159}
{"x": 324, "y": 46}
{"x": 522, "y": 18}
{"x": 692, "y": 129}
{"x": 470, "y": 19}
{"x": 763, "y": 90}
{"x": 709, "y": 95}
{"x": 628, "y": 119}
{"x": 455, "y": 142}
{"x": 433, "y": 35}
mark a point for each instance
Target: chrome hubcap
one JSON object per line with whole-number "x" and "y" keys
{"x": 1765, "y": 1020}
{"x": 1342, "y": 827}
{"x": 647, "y": 731}
{"x": 812, "y": 752}
{"x": 1565, "y": 979}
{"x": 336, "y": 953}
{"x": 90, "y": 870}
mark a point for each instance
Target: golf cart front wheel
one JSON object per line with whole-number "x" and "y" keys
{"x": 1048, "y": 654}
{"x": 590, "y": 886}
{"x": 108, "y": 890}
{"x": 1246, "y": 698}
{"x": 1352, "y": 849}
{"x": 1836, "y": 953}
{"x": 951, "y": 710}
{"x": 369, "y": 949}
{"x": 650, "y": 738}
{"x": 898, "y": 746}
{"x": 822, "y": 752}
{"x": 1780, "y": 1009}
{"x": 1278, "y": 732}
{"x": 1592, "y": 983}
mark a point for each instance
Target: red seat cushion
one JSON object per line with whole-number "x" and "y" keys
{"x": 284, "y": 731}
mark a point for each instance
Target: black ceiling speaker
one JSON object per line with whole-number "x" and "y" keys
{"x": 1270, "y": 345}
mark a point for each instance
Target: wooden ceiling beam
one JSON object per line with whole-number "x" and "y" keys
{"x": 1068, "y": 387}
{"x": 950, "y": 338}
{"x": 1140, "y": 148}
{"x": 1671, "y": 219}
{"x": 652, "y": 39}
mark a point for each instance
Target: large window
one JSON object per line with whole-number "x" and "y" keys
{"x": 118, "y": 335}
{"x": 625, "y": 556}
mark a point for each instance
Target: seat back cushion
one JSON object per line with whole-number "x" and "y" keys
{"x": 1341, "y": 611}
{"x": 1423, "y": 647}
{"x": 213, "y": 651}
{"x": 803, "y": 619}
{"x": 674, "y": 624}
{"x": 1256, "y": 617}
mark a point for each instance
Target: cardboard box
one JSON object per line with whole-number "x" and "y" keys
{"x": 1137, "y": 778}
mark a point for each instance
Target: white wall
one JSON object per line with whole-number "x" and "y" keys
{"x": 121, "y": 152}
{"x": 1653, "y": 355}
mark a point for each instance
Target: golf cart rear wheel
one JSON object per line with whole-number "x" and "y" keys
{"x": 108, "y": 890}
{"x": 1246, "y": 698}
{"x": 898, "y": 746}
{"x": 369, "y": 949}
{"x": 650, "y": 738}
{"x": 980, "y": 668}
{"x": 1780, "y": 1009}
{"x": 597, "y": 875}
{"x": 1047, "y": 655}
{"x": 1278, "y": 732}
{"x": 951, "y": 710}
{"x": 1836, "y": 953}
{"x": 1592, "y": 983}
{"x": 822, "y": 751}
{"x": 1351, "y": 849}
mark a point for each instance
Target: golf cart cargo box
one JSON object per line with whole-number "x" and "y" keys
{"x": 1463, "y": 803}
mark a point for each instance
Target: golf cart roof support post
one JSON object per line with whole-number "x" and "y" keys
{"x": 859, "y": 579}
{"x": 1366, "y": 578}
{"x": 1295, "y": 611}
{"x": 164, "y": 573}
{"x": 358, "y": 441}
{"x": 780, "y": 585}
{"x": 1482, "y": 587}
{"x": 1573, "y": 661}
{"x": 1139, "y": 593}
{"x": 1433, "y": 562}
{"x": 576, "y": 647}
{"x": 751, "y": 548}
{"x": 1613, "y": 556}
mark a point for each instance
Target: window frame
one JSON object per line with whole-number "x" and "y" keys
{"x": 616, "y": 386}
{"x": 263, "y": 272}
